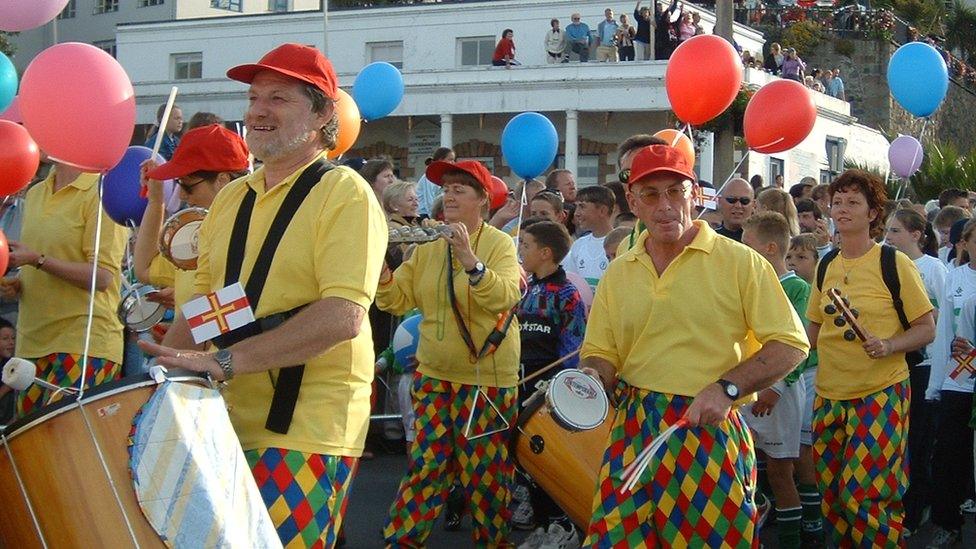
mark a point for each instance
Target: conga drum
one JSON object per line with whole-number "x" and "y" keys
{"x": 560, "y": 440}
{"x": 60, "y": 489}
{"x": 178, "y": 239}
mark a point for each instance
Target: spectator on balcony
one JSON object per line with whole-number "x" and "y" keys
{"x": 606, "y": 38}
{"x": 686, "y": 28}
{"x": 813, "y": 83}
{"x": 578, "y": 34}
{"x": 626, "y": 34}
{"x": 696, "y": 21}
{"x": 793, "y": 67}
{"x": 665, "y": 37}
{"x": 642, "y": 41}
{"x": 505, "y": 51}
{"x": 774, "y": 61}
{"x": 836, "y": 87}
{"x": 555, "y": 44}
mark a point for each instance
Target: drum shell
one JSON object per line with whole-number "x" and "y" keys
{"x": 129, "y": 299}
{"x": 568, "y": 464}
{"x": 63, "y": 476}
{"x": 171, "y": 227}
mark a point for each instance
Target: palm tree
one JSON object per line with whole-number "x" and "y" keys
{"x": 960, "y": 30}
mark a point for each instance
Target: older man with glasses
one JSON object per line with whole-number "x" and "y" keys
{"x": 735, "y": 204}
{"x": 579, "y": 38}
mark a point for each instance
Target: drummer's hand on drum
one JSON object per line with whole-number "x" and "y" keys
{"x": 710, "y": 406}
{"x": 154, "y": 188}
{"x": 165, "y": 297}
{"x": 9, "y": 287}
{"x": 461, "y": 246}
{"x": 765, "y": 403}
{"x": 196, "y": 361}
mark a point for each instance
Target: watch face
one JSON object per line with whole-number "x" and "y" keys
{"x": 732, "y": 391}
{"x": 222, "y": 355}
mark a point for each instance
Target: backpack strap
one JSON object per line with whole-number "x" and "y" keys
{"x": 889, "y": 272}
{"x": 822, "y": 266}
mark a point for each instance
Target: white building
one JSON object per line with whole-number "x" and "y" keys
{"x": 453, "y": 96}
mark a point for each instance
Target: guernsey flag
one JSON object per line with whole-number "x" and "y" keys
{"x": 218, "y": 312}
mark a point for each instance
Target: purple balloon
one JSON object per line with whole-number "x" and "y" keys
{"x": 905, "y": 156}
{"x": 21, "y": 15}
{"x": 121, "y": 188}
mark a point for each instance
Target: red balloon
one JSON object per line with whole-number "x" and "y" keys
{"x": 499, "y": 193}
{"x": 13, "y": 112}
{"x": 779, "y": 117}
{"x": 4, "y": 253}
{"x": 19, "y": 158}
{"x": 703, "y": 77}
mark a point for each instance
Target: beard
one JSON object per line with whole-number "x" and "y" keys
{"x": 283, "y": 143}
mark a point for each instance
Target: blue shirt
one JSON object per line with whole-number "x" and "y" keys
{"x": 606, "y": 30}
{"x": 167, "y": 147}
{"x": 836, "y": 87}
{"x": 578, "y": 32}
{"x": 427, "y": 194}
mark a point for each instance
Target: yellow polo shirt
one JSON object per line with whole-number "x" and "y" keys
{"x": 845, "y": 370}
{"x": 681, "y": 330}
{"x": 333, "y": 247}
{"x": 53, "y": 313}
{"x": 421, "y": 282}
{"x": 164, "y": 274}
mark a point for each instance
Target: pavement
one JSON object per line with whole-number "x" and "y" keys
{"x": 376, "y": 484}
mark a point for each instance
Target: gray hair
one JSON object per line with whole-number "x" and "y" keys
{"x": 395, "y": 192}
{"x": 328, "y": 134}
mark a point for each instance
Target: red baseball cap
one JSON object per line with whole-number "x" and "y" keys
{"x": 477, "y": 170}
{"x": 663, "y": 159}
{"x": 296, "y": 61}
{"x": 211, "y": 148}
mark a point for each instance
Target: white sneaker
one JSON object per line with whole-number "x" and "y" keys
{"x": 535, "y": 539}
{"x": 523, "y": 517}
{"x": 558, "y": 537}
{"x": 943, "y": 538}
{"x": 968, "y": 506}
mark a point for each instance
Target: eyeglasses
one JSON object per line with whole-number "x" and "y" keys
{"x": 740, "y": 199}
{"x": 624, "y": 176}
{"x": 188, "y": 187}
{"x": 576, "y": 19}
{"x": 652, "y": 197}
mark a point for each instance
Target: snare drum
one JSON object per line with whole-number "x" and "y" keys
{"x": 178, "y": 240}
{"x": 560, "y": 440}
{"x": 138, "y": 313}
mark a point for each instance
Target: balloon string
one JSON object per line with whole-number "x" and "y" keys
{"x": 522, "y": 202}
{"x": 925, "y": 122}
{"x": 688, "y": 129}
{"x": 735, "y": 170}
{"x": 91, "y": 289}
{"x": 132, "y": 264}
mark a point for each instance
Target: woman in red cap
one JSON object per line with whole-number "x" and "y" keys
{"x": 464, "y": 393}
{"x": 206, "y": 159}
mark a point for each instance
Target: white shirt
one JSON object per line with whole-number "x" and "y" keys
{"x": 427, "y": 194}
{"x": 960, "y": 285}
{"x": 588, "y": 259}
{"x": 933, "y": 274}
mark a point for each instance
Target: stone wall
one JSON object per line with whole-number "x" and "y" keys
{"x": 864, "y": 74}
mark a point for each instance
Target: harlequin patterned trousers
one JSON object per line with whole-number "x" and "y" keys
{"x": 697, "y": 491}
{"x": 64, "y": 370}
{"x": 859, "y": 450}
{"x": 441, "y": 452}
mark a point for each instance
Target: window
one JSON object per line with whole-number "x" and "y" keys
{"x": 69, "y": 11}
{"x": 777, "y": 166}
{"x": 106, "y": 6}
{"x": 277, "y": 5}
{"x": 107, "y": 46}
{"x": 391, "y": 52}
{"x": 230, "y": 5}
{"x": 147, "y": 3}
{"x": 475, "y": 50}
{"x": 835, "y": 153}
{"x": 187, "y": 66}
{"x": 587, "y": 169}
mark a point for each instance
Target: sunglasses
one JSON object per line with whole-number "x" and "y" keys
{"x": 188, "y": 187}
{"x": 740, "y": 199}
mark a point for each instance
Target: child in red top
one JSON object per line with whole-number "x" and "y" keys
{"x": 505, "y": 51}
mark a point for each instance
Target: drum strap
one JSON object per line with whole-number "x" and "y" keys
{"x": 290, "y": 378}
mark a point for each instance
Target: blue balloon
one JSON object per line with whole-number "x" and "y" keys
{"x": 529, "y": 144}
{"x": 121, "y": 187}
{"x": 378, "y": 90}
{"x": 918, "y": 78}
{"x": 8, "y": 82}
{"x": 406, "y": 339}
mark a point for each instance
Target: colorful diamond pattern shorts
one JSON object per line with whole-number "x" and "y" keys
{"x": 859, "y": 451}
{"x": 64, "y": 370}
{"x": 441, "y": 452}
{"x": 697, "y": 492}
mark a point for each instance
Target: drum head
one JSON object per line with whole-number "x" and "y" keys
{"x": 137, "y": 312}
{"x": 183, "y": 245}
{"x": 577, "y": 401}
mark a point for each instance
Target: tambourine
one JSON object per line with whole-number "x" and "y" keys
{"x": 417, "y": 235}
{"x": 178, "y": 240}
{"x": 138, "y": 313}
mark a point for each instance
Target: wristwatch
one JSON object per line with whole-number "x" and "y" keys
{"x": 731, "y": 389}
{"x": 40, "y": 262}
{"x": 223, "y": 358}
{"x": 479, "y": 268}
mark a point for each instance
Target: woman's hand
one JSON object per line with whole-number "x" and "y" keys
{"x": 460, "y": 243}
{"x": 877, "y": 348}
{"x": 21, "y": 255}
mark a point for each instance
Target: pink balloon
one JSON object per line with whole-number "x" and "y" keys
{"x": 79, "y": 105}
{"x": 12, "y": 113}
{"x": 586, "y": 294}
{"x": 21, "y": 15}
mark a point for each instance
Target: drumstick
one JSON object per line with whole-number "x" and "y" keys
{"x": 546, "y": 368}
{"x": 636, "y": 469}
{"x": 144, "y": 192}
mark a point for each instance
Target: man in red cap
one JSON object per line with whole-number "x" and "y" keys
{"x": 306, "y": 241}
{"x": 207, "y": 159}
{"x": 651, "y": 339}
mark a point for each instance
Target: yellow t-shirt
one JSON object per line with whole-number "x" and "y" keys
{"x": 164, "y": 274}
{"x": 421, "y": 282}
{"x": 845, "y": 371}
{"x": 53, "y": 313}
{"x": 333, "y": 247}
{"x": 710, "y": 309}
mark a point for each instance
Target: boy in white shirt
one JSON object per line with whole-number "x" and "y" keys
{"x": 594, "y": 210}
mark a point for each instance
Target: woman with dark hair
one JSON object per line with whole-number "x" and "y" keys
{"x": 464, "y": 393}
{"x": 860, "y": 418}
{"x": 505, "y": 51}
{"x": 378, "y": 172}
{"x": 428, "y": 192}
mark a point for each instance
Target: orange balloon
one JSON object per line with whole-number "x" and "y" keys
{"x": 683, "y": 143}
{"x": 349, "y": 121}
